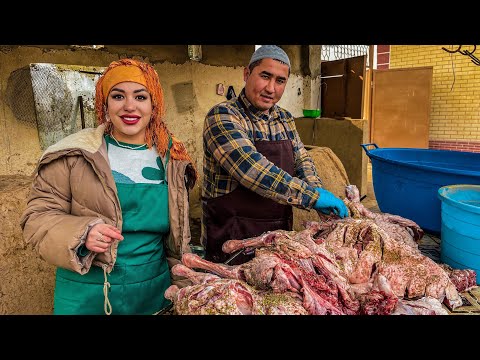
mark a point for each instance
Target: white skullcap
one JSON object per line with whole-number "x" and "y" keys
{"x": 270, "y": 51}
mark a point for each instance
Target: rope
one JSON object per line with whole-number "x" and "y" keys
{"x": 107, "y": 307}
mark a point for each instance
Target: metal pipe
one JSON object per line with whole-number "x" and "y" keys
{"x": 331, "y": 76}
{"x": 82, "y": 115}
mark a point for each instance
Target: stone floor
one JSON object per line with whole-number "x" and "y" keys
{"x": 429, "y": 245}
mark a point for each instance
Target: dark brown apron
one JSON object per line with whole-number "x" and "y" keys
{"x": 242, "y": 213}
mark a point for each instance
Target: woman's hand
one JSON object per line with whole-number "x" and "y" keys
{"x": 100, "y": 237}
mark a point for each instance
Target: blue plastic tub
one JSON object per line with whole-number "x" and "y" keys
{"x": 406, "y": 180}
{"x": 460, "y": 213}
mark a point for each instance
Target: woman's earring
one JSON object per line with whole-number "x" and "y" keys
{"x": 105, "y": 111}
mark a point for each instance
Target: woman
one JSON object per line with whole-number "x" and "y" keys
{"x": 108, "y": 205}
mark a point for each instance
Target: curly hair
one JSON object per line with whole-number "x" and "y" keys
{"x": 156, "y": 132}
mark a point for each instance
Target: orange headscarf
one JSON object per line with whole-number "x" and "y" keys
{"x": 142, "y": 73}
{"x": 120, "y": 74}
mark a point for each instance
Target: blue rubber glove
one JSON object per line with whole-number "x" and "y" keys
{"x": 327, "y": 203}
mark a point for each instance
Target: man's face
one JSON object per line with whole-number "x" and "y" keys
{"x": 265, "y": 84}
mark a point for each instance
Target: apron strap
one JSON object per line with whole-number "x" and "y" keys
{"x": 167, "y": 155}
{"x": 107, "y": 307}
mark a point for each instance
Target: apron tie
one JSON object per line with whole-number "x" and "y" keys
{"x": 107, "y": 307}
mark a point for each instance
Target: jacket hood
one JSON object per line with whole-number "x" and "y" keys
{"x": 88, "y": 140}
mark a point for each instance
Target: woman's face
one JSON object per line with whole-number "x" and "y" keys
{"x": 129, "y": 107}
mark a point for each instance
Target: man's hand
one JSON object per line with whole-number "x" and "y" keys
{"x": 327, "y": 203}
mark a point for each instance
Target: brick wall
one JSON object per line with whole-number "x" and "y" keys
{"x": 383, "y": 57}
{"x": 455, "y": 113}
{"x": 470, "y": 146}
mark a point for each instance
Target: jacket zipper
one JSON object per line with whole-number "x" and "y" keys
{"x": 105, "y": 187}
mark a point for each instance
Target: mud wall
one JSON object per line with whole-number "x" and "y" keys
{"x": 27, "y": 282}
{"x": 190, "y": 91}
{"x": 343, "y": 137}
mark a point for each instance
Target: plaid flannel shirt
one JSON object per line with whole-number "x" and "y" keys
{"x": 230, "y": 156}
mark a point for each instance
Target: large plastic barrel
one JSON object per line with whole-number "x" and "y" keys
{"x": 406, "y": 180}
{"x": 460, "y": 213}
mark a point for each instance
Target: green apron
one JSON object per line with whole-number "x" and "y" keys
{"x": 140, "y": 275}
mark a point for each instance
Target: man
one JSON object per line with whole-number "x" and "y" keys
{"x": 255, "y": 165}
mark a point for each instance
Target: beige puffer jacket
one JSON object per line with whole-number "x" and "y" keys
{"x": 74, "y": 189}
